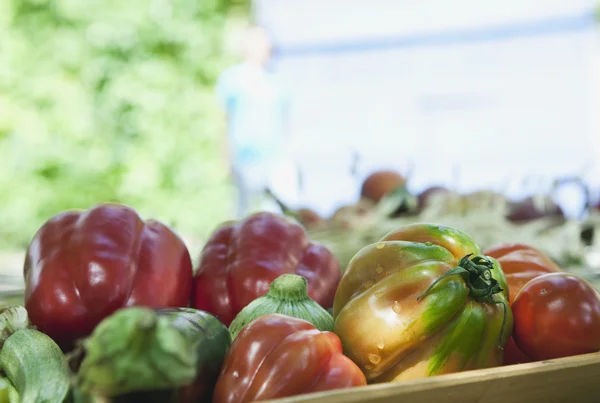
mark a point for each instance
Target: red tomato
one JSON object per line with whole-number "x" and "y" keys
{"x": 513, "y": 355}
{"x": 557, "y": 315}
{"x": 520, "y": 263}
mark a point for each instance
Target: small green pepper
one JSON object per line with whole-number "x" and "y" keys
{"x": 287, "y": 295}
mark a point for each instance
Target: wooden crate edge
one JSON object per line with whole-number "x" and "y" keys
{"x": 563, "y": 369}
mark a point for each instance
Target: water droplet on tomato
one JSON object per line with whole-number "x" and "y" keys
{"x": 236, "y": 374}
{"x": 379, "y": 294}
{"x": 374, "y": 358}
{"x": 428, "y": 243}
{"x": 379, "y": 269}
{"x": 381, "y": 345}
{"x": 368, "y": 284}
{"x": 396, "y": 307}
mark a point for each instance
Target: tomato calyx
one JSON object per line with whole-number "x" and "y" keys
{"x": 476, "y": 271}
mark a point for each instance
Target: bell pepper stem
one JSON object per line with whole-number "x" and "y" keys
{"x": 285, "y": 209}
{"x": 476, "y": 271}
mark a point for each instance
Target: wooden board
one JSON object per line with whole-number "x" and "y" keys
{"x": 571, "y": 379}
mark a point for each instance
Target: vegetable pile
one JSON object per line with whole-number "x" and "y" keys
{"x": 114, "y": 311}
{"x": 386, "y": 202}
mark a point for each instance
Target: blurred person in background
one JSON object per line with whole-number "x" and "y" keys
{"x": 257, "y": 114}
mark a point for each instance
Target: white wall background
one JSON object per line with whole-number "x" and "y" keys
{"x": 494, "y": 91}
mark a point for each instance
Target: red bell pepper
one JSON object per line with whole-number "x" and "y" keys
{"x": 241, "y": 259}
{"x": 81, "y": 266}
{"x": 277, "y": 356}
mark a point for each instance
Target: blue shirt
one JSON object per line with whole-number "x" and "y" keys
{"x": 257, "y": 107}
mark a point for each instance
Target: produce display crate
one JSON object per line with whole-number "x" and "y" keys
{"x": 572, "y": 379}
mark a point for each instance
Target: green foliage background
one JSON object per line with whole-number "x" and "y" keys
{"x": 112, "y": 100}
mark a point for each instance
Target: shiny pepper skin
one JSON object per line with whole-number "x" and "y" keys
{"x": 278, "y": 356}
{"x": 241, "y": 259}
{"x": 81, "y": 266}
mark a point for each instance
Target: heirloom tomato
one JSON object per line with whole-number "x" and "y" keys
{"x": 421, "y": 302}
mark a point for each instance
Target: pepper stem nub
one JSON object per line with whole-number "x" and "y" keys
{"x": 12, "y": 319}
{"x": 476, "y": 271}
{"x": 289, "y": 287}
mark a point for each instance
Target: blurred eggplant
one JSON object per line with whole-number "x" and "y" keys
{"x": 144, "y": 355}
{"x": 425, "y": 196}
{"x": 533, "y": 208}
